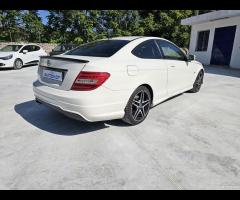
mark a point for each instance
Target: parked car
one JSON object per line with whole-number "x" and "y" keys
{"x": 118, "y": 78}
{"x": 62, "y": 48}
{"x": 18, "y": 55}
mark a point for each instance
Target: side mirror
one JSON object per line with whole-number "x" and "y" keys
{"x": 25, "y": 51}
{"x": 191, "y": 57}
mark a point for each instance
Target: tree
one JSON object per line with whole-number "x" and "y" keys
{"x": 80, "y": 26}
{"x": 167, "y": 24}
{"x": 120, "y": 23}
{"x": 9, "y": 24}
{"x": 32, "y": 25}
{"x": 88, "y": 25}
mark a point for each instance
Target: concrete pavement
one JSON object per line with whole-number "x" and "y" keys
{"x": 189, "y": 142}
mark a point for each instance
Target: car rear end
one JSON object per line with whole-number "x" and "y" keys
{"x": 78, "y": 83}
{"x": 67, "y": 85}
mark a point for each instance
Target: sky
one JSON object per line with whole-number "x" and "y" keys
{"x": 43, "y": 14}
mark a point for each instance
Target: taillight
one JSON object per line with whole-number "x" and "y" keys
{"x": 89, "y": 80}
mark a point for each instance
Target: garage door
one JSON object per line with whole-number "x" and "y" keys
{"x": 223, "y": 45}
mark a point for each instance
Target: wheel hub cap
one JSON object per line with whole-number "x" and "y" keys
{"x": 140, "y": 106}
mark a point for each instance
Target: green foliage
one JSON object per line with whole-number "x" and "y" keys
{"x": 80, "y": 26}
{"x": 78, "y": 40}
{"x": 20, "y": 25}
{"x": 9, "y": 25}
{"x": 167, "y": 24}
{"x": 32, "y": 25}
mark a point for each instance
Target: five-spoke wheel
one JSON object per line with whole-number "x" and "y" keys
{"x": 138, "y": 106}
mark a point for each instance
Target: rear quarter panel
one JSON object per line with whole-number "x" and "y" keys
{"x": 153, "y": 74}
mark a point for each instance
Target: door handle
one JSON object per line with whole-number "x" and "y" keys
{"x": 172, "y": 66}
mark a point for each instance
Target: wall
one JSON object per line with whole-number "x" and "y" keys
{"x": 46, "y": 46}
{"x": 205, "y": 57}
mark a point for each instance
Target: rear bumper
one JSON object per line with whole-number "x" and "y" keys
{"x": 97, "y": 105}
{"x": 68, "y": 114}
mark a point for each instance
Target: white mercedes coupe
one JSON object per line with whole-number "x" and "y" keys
{"x": 117, "y": 78}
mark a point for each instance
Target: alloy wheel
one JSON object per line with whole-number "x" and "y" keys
{"x": 199, "y": 80}
{"x": 140, "y": 105}
{"x": 18, "y": 64}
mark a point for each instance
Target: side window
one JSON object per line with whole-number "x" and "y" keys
{"x": 27, "y": 47}
{"x": 30, "y": 48}
{"x": 170, "y": 51}
{"x": 147, "y": 50}
{"x": 35, "y": 48}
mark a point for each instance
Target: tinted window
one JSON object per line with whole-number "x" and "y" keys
{"x": 147, "y": 49}
{"x": 69, "y": 47}
{"x": 58, "y": 48}
{"x": 9, "y": 48}
{"x": 35, "y": 48}
{"x": 202, "y": 41}
{"x": 102, "y": 48}
{"x": 30, "y": 48}
{"x": 170, "y": 51}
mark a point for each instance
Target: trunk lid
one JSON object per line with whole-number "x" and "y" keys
{"x": 61, "y": 71}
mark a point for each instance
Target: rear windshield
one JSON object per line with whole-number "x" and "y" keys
{"x": 102, "y": 48}
{"x": 58, "y": 48}
{"x": 63, "y": 47}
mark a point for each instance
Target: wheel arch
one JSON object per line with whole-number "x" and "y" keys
{"x": 197, "y": 72}
{"x": 150, "y": 90}
{"x": 148, "y": 87}
{"x": 201, "y": 70}
{"x": 18, "y": 59}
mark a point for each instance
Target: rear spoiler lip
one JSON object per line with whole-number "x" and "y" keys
{"x": 63, "y": 58}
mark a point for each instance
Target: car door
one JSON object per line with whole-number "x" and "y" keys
{"x": 36, "y": 53}
{"x": 152, "y": 68}
{"x": 179, "y": 71}
{"x": 26, "y": 57}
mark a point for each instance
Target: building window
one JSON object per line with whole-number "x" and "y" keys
{"x": 202, "y": 41}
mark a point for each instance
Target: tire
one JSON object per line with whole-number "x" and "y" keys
{"x": 138, "y": 106}
{"x": 18, "y": 64}
{"x": 198, "y": 82}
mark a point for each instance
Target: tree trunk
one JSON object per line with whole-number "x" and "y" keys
{"x": 10, "y": 35}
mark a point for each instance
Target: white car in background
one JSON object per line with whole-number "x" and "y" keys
{"x": 18, "y": 55}
{"x": 118, "y": 78}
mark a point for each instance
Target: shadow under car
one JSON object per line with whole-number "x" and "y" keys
{"x": 54, "y": 122}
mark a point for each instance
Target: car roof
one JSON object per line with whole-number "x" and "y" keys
{"x": 131, "y": 38}
{"x": 69, "y": 44}
{"x": 24, "y": 44}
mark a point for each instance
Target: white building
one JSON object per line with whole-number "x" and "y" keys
{"x": 215, "y": 37}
